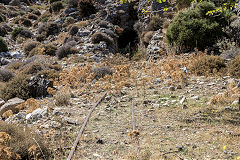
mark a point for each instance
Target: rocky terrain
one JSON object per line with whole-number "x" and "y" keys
{"x": 57, "y": 58}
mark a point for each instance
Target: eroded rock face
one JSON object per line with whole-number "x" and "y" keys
{"x": 38, "y": 86}
{"x": 10, "y": 105}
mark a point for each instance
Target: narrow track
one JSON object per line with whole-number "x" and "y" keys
{"x": 83, "y": 127}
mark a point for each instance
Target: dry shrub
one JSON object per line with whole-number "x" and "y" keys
{"x": 62, "y": 99}
{"x": 3, "y": 45}
{"x": 29, "y": 46}
{"x": 29, "y": 105}
{"x": 234, "y": 67}
{"x": 17, "y": 87}
{"x": 15, "y": 65}
{"x": 86, "y": 8}
{"x": 146, "y": 37}
{"x": 19, "y": 140}
{"x": 50, "y": 74}
{"x": 5, "y": 75}
{"x": 73, "y": 30}
{"x": 207, "y": 65}
{"x": 156, "y": 23}
{"x": 226, "y": 97}
{"x": 49, "y": 49}
{"x": 7, "y": 114}
{"x": 51, "y": 91}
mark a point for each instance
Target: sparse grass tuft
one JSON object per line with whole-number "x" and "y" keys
{"x": 5, "y": 75}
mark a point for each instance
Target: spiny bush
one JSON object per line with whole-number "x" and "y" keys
{"x": 207, "y": 65}
{"x": 62, "y": 99}
{"x": 86, "y": 8}
{"x": 193, "y": 28}
{"x": 3, "y": 31}
{"x": 101, "y": 72}
{"x": 21, "y": 143}
{"x": 1, "y": 18}
{"x": 17, "y": 87}
{"x": 234, "y": 67}
{"x": 5, "y": 75}
{"x": 32, "y": 68}
{"x": 99, "y": 36}
{"x": 65, "y": 50}
{"x": 19, "y": 31}
{"x": 3, "y": 45}
{"x": 50, "y": 49}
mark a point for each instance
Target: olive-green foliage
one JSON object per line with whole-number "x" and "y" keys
{"x": 16, "y": 32}
{"x": 234, "y": 67}
{"x": 193, "y": 28}
{"x": 17, "y": 87}
{"x": 207, "y": 65}
{"x": 1, "y": 18}
{"x": 3, "y": 45}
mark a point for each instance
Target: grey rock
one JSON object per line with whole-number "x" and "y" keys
{"x": 4, "y": 61}
{"x": 1, "y": 102}
{"x": 184, "y": 106}
{"x": 10, "y": 105}
{"x": 172, "y": 88}
{"x": 70, "y": 120}
{"x": 57, "y": 111}
{"x": 182, "y": 100}
{"x": 37, "y": 114}
{"x": 55, "y": 124}
{"x": 233, "y": 103}
{"x": 83, "y": 33}
{"x": 196, "y": 97}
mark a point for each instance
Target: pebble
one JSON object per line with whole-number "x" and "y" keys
{"x": 182, "y": 100}
{"x": 171, "y": 88}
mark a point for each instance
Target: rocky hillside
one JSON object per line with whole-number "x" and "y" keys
{"x": 171, "y": 80}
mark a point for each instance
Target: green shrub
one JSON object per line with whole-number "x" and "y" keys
{"x": 234, "y": 67}
{"x": 56, "y": 6}
{"x": 207, "y": 65}
{"x": 86, "y": 8}
{"x": 193, "y": 28}
{"x": 3, "y": 45}
{"x": 17, "y": 87}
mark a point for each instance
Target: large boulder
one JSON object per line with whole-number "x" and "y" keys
{"x": 10, "y": 105}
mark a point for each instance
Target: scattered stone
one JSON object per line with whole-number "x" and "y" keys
{"x": 201, "y": 83}
{"x": 55, "y": 124}
{"x": 1, "y": 102}
{"x": 179, "y": 86}
{"x": 10, "y": 105}
{"x": 228, "y": 108}
{"x": 196, "y": 97}
{"x": 233, "y": 103}
{"x": 57, "y": 111}
{"x": 184, "y": 106}
{"x": 99, "y": 141}
{"x": 70, "y": 120}
{"x": 172, "y": 88}
{"x": 182, "y": 100}
{"x": 37, "y": 114}
{"x": 180, "y": 148}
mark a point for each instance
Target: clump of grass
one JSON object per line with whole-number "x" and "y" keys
{"x": 29, "y": 46}
{"x": 98, "y": 37}
{"x": 62, "y": 99}
{"x": 16, "y": 32}
{"x": 155, "y": 23}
